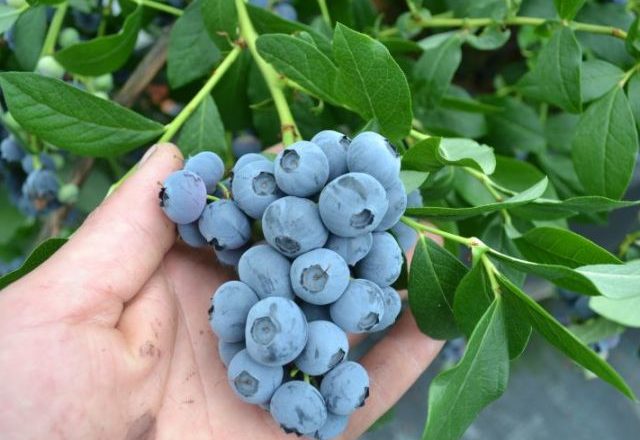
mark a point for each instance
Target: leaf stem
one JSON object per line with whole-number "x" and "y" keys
{"x": 290, "y": 133}
{"x": 444, "y": 234}
{"x": 49, "y": 45}
{"x": 172, "y": 128}
{"x": 161, "y": 7}
{"x": 105, "y": 14}
{"x": 628, "y": 74}
{"x": 491, "y": 271}
{"x": 325, "y": 11}
{"x": 489, "y": 182}
{"x": 436, "y": 22}
{"x": 418, "y": 135}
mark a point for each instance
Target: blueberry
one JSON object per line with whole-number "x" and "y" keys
{"x": 405, "y": 235}
{"x": 183, "y": 196}
{"x": 46, "y": 163}
{"x": 302, "y": 169}
{"x": 254, "y": 187}
{"x": 334, "y": 145}
{"x": 11, "y": 150}
{"x": 68, "y": 37}
{"x": 251, "y": 381}
{"x": 314, "y": 312}
{"x": 360, "y": 308}
{"x": 285, "y": 11}
{"x": 230, "y": 257}
{"x": 266, "y": 271}
{"x": 414, "y": 199}
{"x": 351, "y": 249}
{"x": 332, "y": 428}
{"x": 208, "y": 166}
{"x": 41, "y": 185}
{"x": 383, "y": 263}
{"x": 326, "y": 347}
{"x": 397, "y": 199}
{"x": 453, "y": 351}
{"x": 190, "y": 234}
{"x": 298, "y": 407}
{"x": 227, "y": 350}
{"x": 260, "y": 3}
{"x": 353, "y": 204}
{"x": 248, "y": 158}
{"x": 392, "y": 307}
{"x": 48, "y": 66}
{"x": 581, "y": 309}
{"x": 245, "y": 143}
{"x": 276, "y": 331}
{"x": 104, "y": 83}
{"x": 224, "y": 226}
{"x": 10, "y": 266}
{"x": 605, "y": 345}
{"x": 292, "y": 225}
{"x": 230, "y": 305}
{"x": 372, "y": 154}
{"x": 86, "y": 22}
{"x": 320, "y": 276}
{"x": 345, "y": 388}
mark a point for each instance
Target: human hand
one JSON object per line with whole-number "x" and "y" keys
{"x": 110, "y": 337}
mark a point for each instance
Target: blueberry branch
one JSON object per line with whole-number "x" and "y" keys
{"x": 325, "y": 11}
{"x": 160, "y": 7}
{"x": 290, "y": 133}
{"x": 470, "y": 242}
{"x": 49, "y": 45}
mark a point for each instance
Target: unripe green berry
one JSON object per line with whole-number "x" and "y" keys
{"x": 103, "y": 83}
{"x": 68, "y": 193}
{"x": 68, "y": 37}
{"x": 101, "y": 95}
{"x": 48, "y": 66}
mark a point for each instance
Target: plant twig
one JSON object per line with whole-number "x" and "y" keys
{"x": 49, "y": 45}
{"x": 160, "y": 7}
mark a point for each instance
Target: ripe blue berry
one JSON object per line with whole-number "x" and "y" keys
{"x": 333, "y": 427}
{"x": 183, "y": 196}
{"x": 254, "y": 187}
{"x": 392, "y": 307}
{"x": 11, "y": 150}
{"x": 397, "y": 199}
{"x": 224, "y": 226}
{"x": 298, "y": 407}
{"x": 302, "y": 169}
{"x": 266, "y": 272}
{"x": 292, "y": 225}
{"x": 383, "y": 263}
{"x": 405, "y": 235}
{"x": 276, "y": 331}
{"x": 190, "y": 234}
{"x": 248, "y": 158}
{"x": 230, "y": 305}
{"x": 360, "y": 308}
{"x": 253, "y": 382}
{"x": 208, "y": 166}
{"x": 230, "y": 257}
{"x": 326, "y": 347}
{"x": 353, "y": 204}
{"x": 41, "y": 185}
{"x": 285, "y": 11}
{"x": 319, "y": 276}
{"x": 372, "y": 154}
{"x": 334, "y": 145}
{"x": 351, "y": 249}
{"x": 227, "y": 350}
{"x": 245, "y": 143}
{"x": 46, "y": 163}
{"x": 345, "y": 388}
{"x": 414, "y": 199}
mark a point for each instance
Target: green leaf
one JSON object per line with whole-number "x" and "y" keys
{"x": 37, "y": 257}
{"x": 103, "y": 54}
{"x": 433, "y": 279}
{"x": 496, "y": 9}
{"x": 598, "y": 77}
{"x": 633, "y": 95}
{"x": 72, "y": 119}
{"x": 192, "y": 53}
{"x": 221, "y": 21}
{"x": 561, "y": 338}
{"x": 490, "y": 38}
{"x": 412, "y": 180}
{"x": 29, "y": 34}
{"x": 302, "y": 62}
{"x": 548, "y": 245}
{"x": 203, "y": 131}
{"x": 434, "y": 153}
{"x": 556, "y": 76}
{"x": 632, "y": 42}
{"x": 8, "y": 16}
{"x": 12, "y": 219}
{"x": 496, "y": 236}
{"x": 371, "y": 82}
{"x": 617, "y": 281}
{"x": 458, "y": 395}
{"x": 567, "y": 9}
{"x": 434, "y": 71}
{"x": 623, "y": 311}
{"x": 472, "y": 299}
{"x": 560, "y": 127}
{"x": 605, "y": 146}
{"x": 555, "y": 209}
{"x": 517, "y": 127}
{"x": 522, "y": 198}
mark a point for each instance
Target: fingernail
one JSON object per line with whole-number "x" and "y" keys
{"x": 147, "y": 155}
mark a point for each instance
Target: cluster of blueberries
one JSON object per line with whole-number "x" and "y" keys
{"x": 325, "y": 269}
{"x": 283, "y": 8}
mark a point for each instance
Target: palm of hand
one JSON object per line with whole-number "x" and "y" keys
{"x": 110, "y": 337}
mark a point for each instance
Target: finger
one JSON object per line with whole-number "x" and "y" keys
{"x": 115, "y": 251}
{"x": 394, "y": 364}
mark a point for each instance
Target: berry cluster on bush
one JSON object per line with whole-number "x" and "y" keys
{"x": 325, "y": 268}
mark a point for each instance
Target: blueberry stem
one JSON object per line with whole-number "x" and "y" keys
{"x": 160, "y": 7}
{"x": 214, "y": 198}
{"x": 224, "y": 189}
{"x": 325, "y": 11}
{"x": 290, "y": 133}
{"x": 49, "y": 44}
